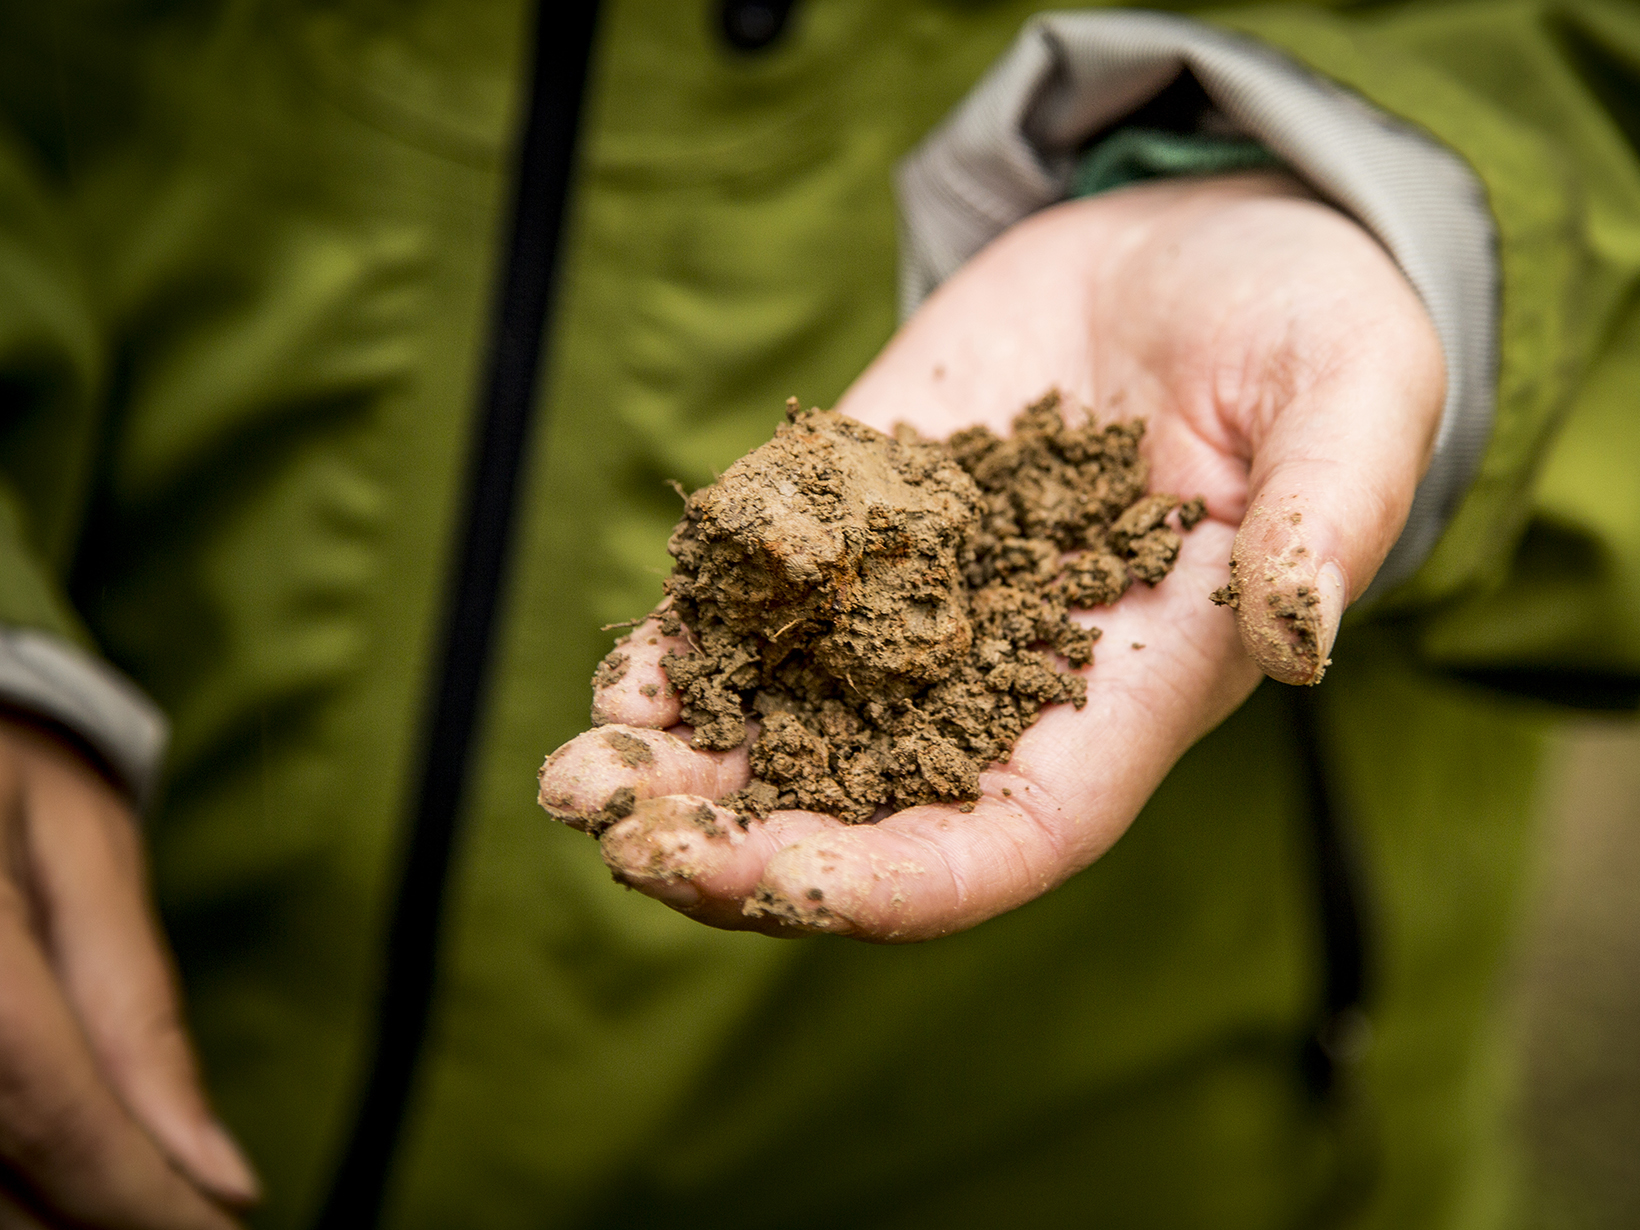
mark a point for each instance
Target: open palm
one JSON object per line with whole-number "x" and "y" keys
{"x": 1287, "y": 373}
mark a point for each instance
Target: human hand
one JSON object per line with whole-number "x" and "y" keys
{"x": 1287, "y": 372}
{"x": 102, "y": 1121}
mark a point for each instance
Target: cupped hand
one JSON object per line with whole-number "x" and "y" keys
{"x": 102, "y": 1121}
{"x": 1287, "y": 372}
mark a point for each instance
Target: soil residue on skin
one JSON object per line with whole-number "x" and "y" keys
{"x": 1295, "y": 630}
{"x": 1228, "y": 595}
{"x": 618, "y": 806}
{"x": 1301, "y": 613}
{"x": 1279, "y": 608}
{"x": 633, "y": 751}
{"x": 893, "y": 612}
{"x": 611, "y": 670}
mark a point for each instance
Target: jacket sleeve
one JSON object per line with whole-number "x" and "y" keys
{"x": 50, "y": 395}
{"x": 1527, "y": 103}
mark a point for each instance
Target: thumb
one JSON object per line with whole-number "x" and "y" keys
{"x": 1331, "y": 485}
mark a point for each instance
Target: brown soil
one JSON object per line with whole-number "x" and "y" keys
{"x": 611, "y": 670}
{"x": 633, "y": 751}
{"x": 894, "y": 612}
{"x": 1279, "y": 616}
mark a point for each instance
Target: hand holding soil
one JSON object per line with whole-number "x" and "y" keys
{"x": 1284, "y": 370}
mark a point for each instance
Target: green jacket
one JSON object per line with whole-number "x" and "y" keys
{"x": 247, "y": 254}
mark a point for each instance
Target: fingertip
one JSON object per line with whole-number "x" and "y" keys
{"x": 835, "y": 883}
{"x": 702, "y": 859}
{"x": 1289, "y": 599}
{"x": 222, "y": 1168}
{"x": 642, "y": 697}
{"x": 630, "y": 686}
{"x": 1288, "y": 624}
{"x": 668, "y": 845}
{"x": 598, "y": 777}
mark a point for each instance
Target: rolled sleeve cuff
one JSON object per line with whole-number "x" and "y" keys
{"x": 50, "y": 678}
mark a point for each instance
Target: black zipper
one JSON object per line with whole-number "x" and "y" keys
{"x": 562, "y": 47}
{"x": 1330, "y": 1057}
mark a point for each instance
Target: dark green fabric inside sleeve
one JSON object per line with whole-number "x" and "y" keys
{"x": 1132, "y": 155}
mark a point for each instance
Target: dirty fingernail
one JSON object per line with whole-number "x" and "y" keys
{"x": 1333, "y": 592}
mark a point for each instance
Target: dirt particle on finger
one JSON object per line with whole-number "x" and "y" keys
{"x": 1279, "y": 610}
{"x": 633, "y": 751}
{"x": 649, "y": 691}
{"x": 895, "y": 612}
{"x": 805, "y": 913}
{"x": 1295, "y": 630}
{"x": 611, "y": 670}
{"x": 705, "y": 819}
{"x": 618, "y": 806}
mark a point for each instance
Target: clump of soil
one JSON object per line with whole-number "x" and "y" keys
{"x": 892, "y": 610}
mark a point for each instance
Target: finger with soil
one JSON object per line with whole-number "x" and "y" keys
{"x": 918, "y": 875}
{"x": 601, "y": 775}
{"x": 1288, "y": 603}
{"x": 630, "y": 688}
{"x": 701, "y": 859}
{"x": 1331, "y": 481}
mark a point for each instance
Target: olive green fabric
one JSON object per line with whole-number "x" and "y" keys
{"x": 246, "y": 253}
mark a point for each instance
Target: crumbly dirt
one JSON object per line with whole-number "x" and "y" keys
{"x": 611, "y": 670}
{"x": 1228, "y": 595}
{"x": 894, "y": 612}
